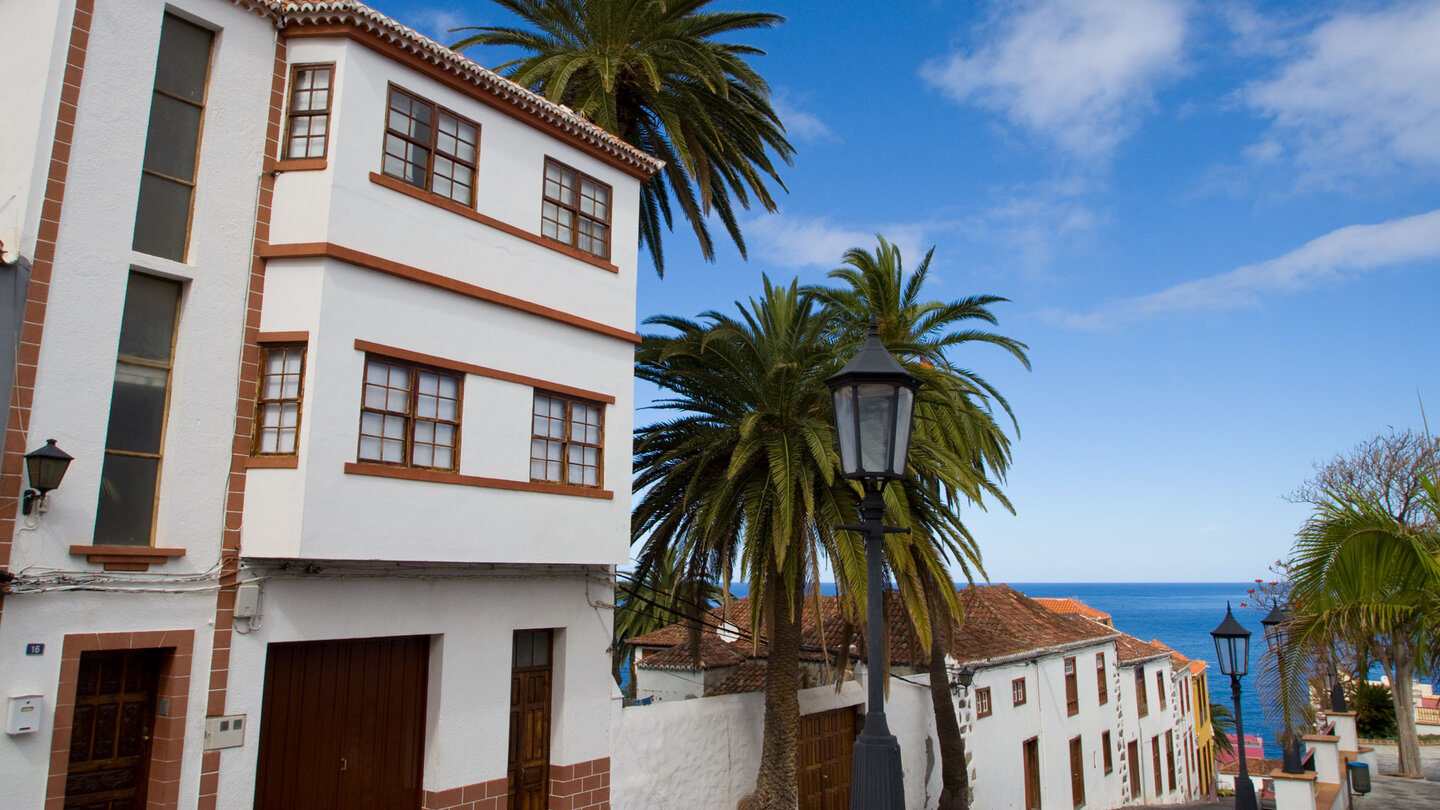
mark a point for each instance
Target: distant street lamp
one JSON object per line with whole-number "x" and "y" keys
{"x": 1329, "y": 670}
{"x": 874, "y": 401}
{"x": 1232, "y": 647}
{"x": 1275, "y": 635}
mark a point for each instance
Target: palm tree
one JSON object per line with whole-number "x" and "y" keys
{"x": 1361, "y": 571}
{"x": 953, "y": 422}
{"x": 1222, "y": 723}
{"x": 652, "y": 598}
{"x": 652, "y": 73}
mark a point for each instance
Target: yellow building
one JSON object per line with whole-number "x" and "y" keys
{"x": 1204, "y": 733}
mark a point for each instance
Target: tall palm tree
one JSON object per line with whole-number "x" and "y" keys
{"x": 953, "y": 421}
{"x": 654, "y": 597}
{"x": 1359, "y": 571}
{"x": 653, "y": 73}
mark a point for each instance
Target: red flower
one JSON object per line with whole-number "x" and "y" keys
{"x": 1259, "y": 580}
{"x": 1242, "y": 604}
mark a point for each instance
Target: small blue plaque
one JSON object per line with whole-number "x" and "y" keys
{"x": 34, "y": 649}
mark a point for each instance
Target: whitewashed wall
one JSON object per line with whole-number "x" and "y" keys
{"x": 33, "y": 67}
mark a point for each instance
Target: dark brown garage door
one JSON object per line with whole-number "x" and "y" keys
{"x": 827, "y": 741}
{"x": 342, "y": 726}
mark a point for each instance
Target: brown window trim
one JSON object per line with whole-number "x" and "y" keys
{"x": 1017, "y": 692}
{"x": 432, "y": 147}
{"x": 290, "y": 113}
{"x": 126, "y": 558}
{"x": 1160, "y": 687}
{"x": 297, "y": 165}
{"x": 267, "y": 346}
{"x": 1101, "y": 688}
{"x": 575, "y": 209}
{"x": 456, "y": 208}
{"x": 567, "y": 442}
{"x": 1072, "y": 687}
{"x": 1105, "y": 744}
{"x": 410, "y": 417}
{"x": 983, "y": 705}
{"x": 1142, "y": 698}
{"x": 481, "y": 371}
{"x": 441, "y": 477}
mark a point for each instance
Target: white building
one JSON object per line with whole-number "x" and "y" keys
{"x": 1150, "y": 724}
{"x": 337, "y": 326}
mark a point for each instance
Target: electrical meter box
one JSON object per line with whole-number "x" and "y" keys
{"x": 227, "y": 731}
{"x": 247, "y": 600}
{"x": 23, "y": 714}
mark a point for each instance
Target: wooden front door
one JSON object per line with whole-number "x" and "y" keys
{"x": 827, "y": 744}
{"x": 1132, "y": 758}
{"x": 342, "y": 725}
{"x": 1032, "y": 774}
{"x": 110, "y": 739}
{"x": 530, "y": 678}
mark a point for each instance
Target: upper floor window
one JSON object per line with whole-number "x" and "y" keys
{"x": 1100, "y": 685}
{"x": 576, "y": 210}
{"x": 430, "y": 147}
{"x": 1072, "y": 688}
{"x": 308, "y": 128}
{"x": 1105, "y": 747}
{"x": 277, "y": 405}
{"x": 1017, "y": 692}
{"x": 172, "y": 142}
{"x": 135, "y": 439}
{"x": 409, "y": 415}
{"x": 1160, "y": 688}
{"x": 567, "y": 437}
{"x": 982, "y": 702}
{"x": 1142, "y": 700}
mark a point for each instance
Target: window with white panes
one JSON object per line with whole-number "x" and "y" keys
{"x": 410, "y": 415}
{"x": 576, "y": 210}
{"x": 567, "y": 437}
{"x": 277, "y": 406}
{"x": 430, "y": 147}
{"x": 308, "y": 127}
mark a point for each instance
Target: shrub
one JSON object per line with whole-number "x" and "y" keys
{"x": 1374, "y": 711}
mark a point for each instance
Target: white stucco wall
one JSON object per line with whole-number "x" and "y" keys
{"x": 1156, "y": 723}
{"x": 33, "y": 67}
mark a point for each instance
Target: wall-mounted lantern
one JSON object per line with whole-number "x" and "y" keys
{"x": 45, "y": 468}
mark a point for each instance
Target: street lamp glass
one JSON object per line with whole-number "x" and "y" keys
{"x": 1232, "y": 645}
{"x": 874, "y": 402}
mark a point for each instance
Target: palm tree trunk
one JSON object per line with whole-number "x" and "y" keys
{"x": 1402, "y": 695}
{"x": 954, "y": 775}
{"x": 776, "y": 785}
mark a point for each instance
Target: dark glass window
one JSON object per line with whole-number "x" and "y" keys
{"x": 409, "y": 415}
{"x": 576, "y": 210}
{"x": 430, "y": 147}
{"x": 172, "y": 143}
{"x": 566, "y": 440}
{"x": 309, "y": 124}
{"x": 134, "y": 441}
{"x": 277, "y": 409}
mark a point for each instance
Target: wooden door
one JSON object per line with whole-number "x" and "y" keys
{"x": 1032, "y": 774}
{"x": 827, "y": 745}
{"x": 530, "y": 681}
{"x": 1132, "y": 757}
{"x": 342, "y": 725}
{"x": 110, "y": 737}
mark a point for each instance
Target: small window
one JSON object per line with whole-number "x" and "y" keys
{"x": 1142, "y": 700}
{"x": 1159, "y": 775}
{"x": 1170, "y": 758}
{"x": 576, "y": 210}
{"x": 1160, "y": 687}
{"x": 1017, "y": 692}
{"x": 277, "y": 404}
{"x": 1077, "y": 773}
{"x": 430, "y": 147}
{"x": 982, "y": 702}
{"x": 1105, "y": 748}
{"x": 1101, "y": 687}
{"x": 1072, "y": 689}
{"x": 308, "y": 128}
{"x": 531, "y": 649}
{"x": 567, "y": 439}
{"x": 409, "y": 415}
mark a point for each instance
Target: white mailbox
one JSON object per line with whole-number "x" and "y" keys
{"x": 23, "y": 716}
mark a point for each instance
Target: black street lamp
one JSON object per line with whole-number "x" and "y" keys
{"x": 874, "y": 401}
{"x": 1232, "y": 647}
{"x": 1275, "y": 635}
{"x": 1333, "y": 685}
{"x": 45, "y": 468}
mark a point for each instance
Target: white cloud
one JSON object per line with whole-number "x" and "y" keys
{"x": 1335, "y": 257}
{"x": 800, "y": 125}
{"x": 793, "y": 241}
{"x": 1027, "y": 225}
{"x": 436, "y": 23}
{"x": 1078, "y": 72}
{"x": 1362, "y": 97}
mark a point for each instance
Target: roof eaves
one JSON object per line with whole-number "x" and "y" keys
{"x": 1039, "y": 652}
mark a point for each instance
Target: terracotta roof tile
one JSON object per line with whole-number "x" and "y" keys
{"x": 1197, "y": 667}
{"x": 1000, "y": 622}
{"x": 713, "y": 653}
{"x": 1068, "y": 604}
{"x": 748, "y": 677}
{"x": 1133, "y": 650}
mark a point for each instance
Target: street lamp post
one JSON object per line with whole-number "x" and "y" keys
{"x": 1275, "y": 635}
{"x": 1333, "y": 685}
{"x": 1232, "y": 647}
{"x": 874, "y": 400}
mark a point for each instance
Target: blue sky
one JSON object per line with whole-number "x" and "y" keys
{"x": 1218, "y": 224}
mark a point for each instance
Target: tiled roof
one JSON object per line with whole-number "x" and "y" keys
{"x": 1068, "y": 604}
{"x": 748, "y": 677}
{"x": 828, "y": 633}
{"x": 713, "y": 653}
{"x": 349, "y": 12}
{"x": 1256, "y": 766}
{"x": 1001, "y": 622}
{"x": 1197, "y": 667}
{"x": 1133, "y": 650}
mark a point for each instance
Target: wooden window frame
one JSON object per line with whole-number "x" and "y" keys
{"x": 566, "y": 442}
{"x": 1077, "y": 772}
{"x": 260, "y": 400}
{"x": 1017, "y": 692}
{"x": 1160, "y": 687}
{"x": 1170, "y": 757}
{"x": 416, "y": 369}
{"x": 983, "y": 706}
{"x": 431, "y": 147}
{"x": 291, "y": 114}
{"x": 1142, "y": 699}
{"x": 575, "y": 212}
{"x": 1072, "y": 688}
{"x": 1159, "y": 774}
{"x": 1105, "y": 749}
{"x": 1101, "y": 688}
